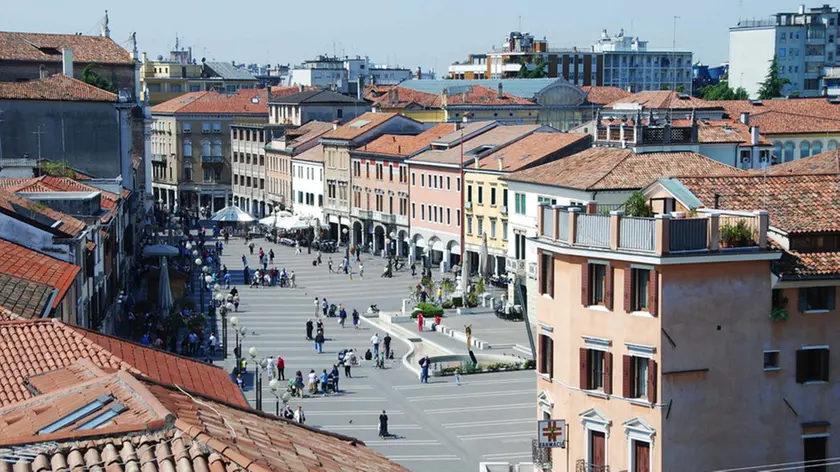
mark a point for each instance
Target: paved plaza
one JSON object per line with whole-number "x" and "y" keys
{"x": 438, "y": 427}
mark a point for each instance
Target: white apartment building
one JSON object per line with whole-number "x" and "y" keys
{"x": 804, "y": 42}
{"x": 308, "y": 183}
{"x": 344, "y": 74}
{"x": 630, "y": 65}
{"x": 248, "y": 167}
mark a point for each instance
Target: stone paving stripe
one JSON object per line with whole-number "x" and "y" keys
{"x": 507, "y": 455}
{"x": 420, "y": 458}
{"x": 372, "y": 413}
{"x": 463, "y": 383}
{"x": 367, "y": 427}
{"x": 438, "y": 411}
{"x": 469, "y": 395}
{"x": 501, "y": 435}
{"x": 396, "y": 442}
{"x": 487, "y": 423}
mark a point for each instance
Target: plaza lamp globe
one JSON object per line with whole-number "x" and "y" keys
{"x": 206, "y": 270}
{"x": 230, "y": 306}
{"x": 217, "y": 288}
{"x": 219, "y": 297}
{"x": 208, "y": 279}
{"x": 274, "y": 384}
{"x": 189, "y": 247}
{"x": 242, "y": 330}
{"x": 253, "y": 351}
{"x": 195, "y": 252}
{"x": 235, "y": 320}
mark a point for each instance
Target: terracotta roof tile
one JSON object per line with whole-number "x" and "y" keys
{"x": 212, "y": 102}
{"x": 8, "y": 315}
{"x": 808, "y": 264}
{"x": 788, "y": 116}
{"x": 726, "y": 131}
{"x": 611, "y": 168}
{"x": 359, "y": 126}
{"x": 57, "y": 87}
{"x": 68, "y": 225}
{"x": 309, "y": 131}
{"x": 27, "y": 298}
{"x": 533, "y": 148}
{"x": 313, "y": 154}
{"x": 47, "y": 183}
{"x": 662, "y": 99}
{"x": 43, "y": 47}
{"x": 23, "y": 263}
{"x": 400, "y": 97}
{"x": 498, "y": 136}
{"x": 796, "y": 203}
{"x": 401, "y": 145}
{"x": 33, "y": 347}
{"x": 279, "y": 91}
{"x": 824, "y": 163}
{"x": 602, "y": 95}
{"x": 480, "y": 95}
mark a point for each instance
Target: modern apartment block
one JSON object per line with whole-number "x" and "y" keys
{"x": 804, "y": 42}
{"x": 630, "y": 65}
{"x": 249, "y": 181}
{"x": 344, "y": 75}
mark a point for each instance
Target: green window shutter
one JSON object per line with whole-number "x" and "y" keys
{"x": 803, "y": 300}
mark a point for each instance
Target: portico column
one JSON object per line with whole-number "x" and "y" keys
{"x": 444, "y": 264}
{"x": 412, "y": 252}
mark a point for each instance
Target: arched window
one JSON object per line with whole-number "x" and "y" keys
{"x": 832, "y": 145}
{"x": 777, "y": 152}
{"x": 816, "y": 148}
{"x": 205, "y": 148}
{"x": 788, "y": 153}
{"x": 804, "y": 149}
{"x": 188, "y": 171}
{"x": 188, "y": 148}
{"x": 217, "y": 148}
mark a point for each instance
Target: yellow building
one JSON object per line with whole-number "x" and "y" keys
{"x": 486, "y": 196}
{"x": 167, "y": 79}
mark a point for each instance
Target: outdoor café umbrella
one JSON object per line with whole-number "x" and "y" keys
{"x": 232, "y": 214}
{"x": 165, "y": 301}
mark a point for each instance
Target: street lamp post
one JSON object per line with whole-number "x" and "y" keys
{"x": 205, "y": 280}
{"x": 237, "y": 349}
{"x": 393, "y": 242}
{"x": 274, "y": 385}
{"x": 227, "y": 308}
{"x": 346, "y": 244}
{"x": 259, "y": 365}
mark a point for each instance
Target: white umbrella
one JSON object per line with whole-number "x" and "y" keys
{"x": 160, "y": 250}
{"x": 286, "y": 223}
{"x": 232, "y": 214}
{"x": 165, "y": 301}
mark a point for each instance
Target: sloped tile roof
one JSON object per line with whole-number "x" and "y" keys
{"x": 480, "y": 95}
{"x": 48, "y": 183}
{"x": 57, "y": 87}
{"x": 314, "y": 97}
{"x": 400, "y": 97}
{"x": 726, "y": 131}
{"x": 309, "y": 131}
{"x": 612, "y": 168}
{"x": 47, "y": 47}
{"x": 32, "y": 347}
{"x": 170, "y": 429}
{"x": 498, "y": 136}
{"x": 531, "y": 149}
{"x": 26, "y": 298}
{"x": 796, "y": 203}
{"x": 788, "y": 116}
{"x": 279, "y": 91}
{"x": 227, "y": 70}
{"x": 663, "y": 99}
{"x": 243, "y": 102}
{"x": 8, "y": 315}
{"x": 23, "y": 263}
{"x": 399, "y": 145}
{"x": 313, "y": 154}
{"x": 824, "y": 163}
{"x": 67, "y": 224}
{"x": 808, "y": 264}
{"x": 359, "y": 126}
{"x": 602, "y": 95}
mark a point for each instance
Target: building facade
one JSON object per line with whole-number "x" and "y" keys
{"x": 803, "y": 42}
{"x": 249, "y": 182}
{"x": 279, "y": 154}
{"x": 337, "y": 145}
{"x": 344, "y": 75}
{"x": 314, "y": 105}
{"x": 191, "y": 146}
{"x": 308, "y": 183}
{"x": 630, "y": 65}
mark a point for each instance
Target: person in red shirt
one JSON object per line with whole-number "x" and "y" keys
{"x": 281, "y": 366}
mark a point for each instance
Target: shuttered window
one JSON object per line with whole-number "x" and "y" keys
{"x": 640, "y": 290}
{"x": 596, "y": 370}
{"x": 546, "y": 353}
{"x": 639, "y": 378}
{"x": 597, "y": 285}
{"x": 546, "y": 274}
{"x": 812, "y": 365}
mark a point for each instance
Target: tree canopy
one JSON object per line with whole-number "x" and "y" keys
{"x": 722, "y": 91}
{"x": 537, "y": 73}
{"x": 90, "y": 76}
{"x": 772, "y": 85}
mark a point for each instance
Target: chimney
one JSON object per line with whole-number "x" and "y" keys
{"x": 419, "y": 73}
{"x": 745, "y": 118}
{"x": 67, "y": 62}
{"x": 396, "y": 95}
{"x": 501, "y": 163}
{"x": 501, "y": 91}
{"x": 717, "y": 201}
{"x": 335, "y": 124}
{"x": 104, "y": 30}
{"x": 43, "y": 71}
{"x": 801, "y": 9}
{"x": 754, "y": 136}
{"x": 300, "y": 87}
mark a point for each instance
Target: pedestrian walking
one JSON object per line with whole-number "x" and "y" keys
{"x": 317, "y": 305}
{"x": 211, "y": 344}
{"x": 347, "y": 364}
{"x": 386, "y": 344}
{"x": 361, "y": 270}
{"x": 271, "y": 256}
{"x": 355, "y": 319}
{"x": 325, "y": 306}
{"x": 342, "y": 316}
{"x": 374, "y": 343}
{"x": 244, "y": 260}
{"x": 227, "y": 280}
{"x": 457, "y": 376}
{"x": 319, "y": 257}
{"x": 439, "y": 296}
{"x": 424, "y": 370}
{"x": 297, "y": 248}
{"x": 319, "y": 342}
{"x": 334, "y": 375}
{"x": 300, "y": 418}
{"x": 329, "y": 265}
{"x": 270, "y": 366}
{"x": 383, "y": 425}
{"x": 251, "y": 248}
{"x": 236, "y": 303}
{"x": 413, "y": 269}
{"x": 309, "y": 327}
{"x": 281, "y": 368}
{"x": 292, "y": 282}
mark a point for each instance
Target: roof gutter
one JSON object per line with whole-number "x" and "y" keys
{"x": 48, "y": 308}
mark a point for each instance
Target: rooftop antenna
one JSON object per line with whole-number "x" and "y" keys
{"x": 333, "y": 48}
{"x": 39, "y": 133}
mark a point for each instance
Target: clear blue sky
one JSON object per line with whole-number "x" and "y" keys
{"x": 431, "y": 33}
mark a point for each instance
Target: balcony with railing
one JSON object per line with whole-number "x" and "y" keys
{"x": 620, "y": 133}
{"x": 582, "y": 465}
{"x": 516, "y": 266}
{"x": 212, "y": 159}
{"x": 159, "y": 158}
{"x": 669, "y": 234}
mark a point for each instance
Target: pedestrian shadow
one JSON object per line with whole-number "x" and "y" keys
{"x": 392, "y": 436}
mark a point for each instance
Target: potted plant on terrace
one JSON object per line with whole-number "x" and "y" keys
{"x": 737, "y": 235}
